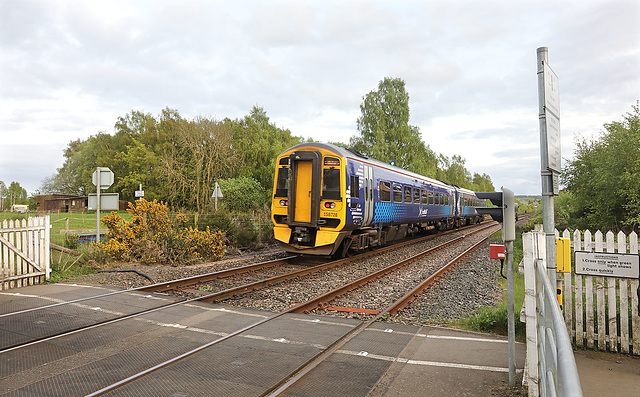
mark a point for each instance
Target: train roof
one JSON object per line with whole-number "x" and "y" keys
{"x": 352, "y": 154}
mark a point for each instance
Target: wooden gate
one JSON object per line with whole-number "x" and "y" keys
{"x": 24, "y": 252}
{"x": 602, "y": 312}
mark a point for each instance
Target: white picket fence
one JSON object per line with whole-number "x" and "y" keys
{"x": 602, "y": 312}
{"x": 24, "y": 252}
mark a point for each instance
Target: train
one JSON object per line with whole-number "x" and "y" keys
{"x": 333, "y": 201}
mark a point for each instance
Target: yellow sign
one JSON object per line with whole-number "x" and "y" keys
{"x": 563, "y": 255}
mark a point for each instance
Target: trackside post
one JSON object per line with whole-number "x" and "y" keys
{"x": 505, "y": 213}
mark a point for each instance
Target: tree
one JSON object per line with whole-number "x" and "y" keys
{"x": 3, "y": 195}
{"x": 603, "y": 177}
{"x": 257, "y": 143}
{"x": 482, "y": 183}
{"x": 16, "y": 194}
{"x": 243, "y": 194}
{"x": 452, "y": 170}
{"x": 385, "y": 133}
{"x": 201, "y": 154}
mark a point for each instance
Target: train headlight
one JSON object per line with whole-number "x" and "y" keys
{"x": 284, "y": 203}
{"x": 330, "y": 205}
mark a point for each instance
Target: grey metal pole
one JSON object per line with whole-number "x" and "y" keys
{"x": 511, "y": 314}
{"x": 548, "y": 219}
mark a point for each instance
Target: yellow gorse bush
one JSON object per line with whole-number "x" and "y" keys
{"x": 151, "y": 237}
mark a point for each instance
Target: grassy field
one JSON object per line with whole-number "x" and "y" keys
{"x": 79, "y": 221}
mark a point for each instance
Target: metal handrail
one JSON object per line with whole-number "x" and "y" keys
{"x": 559, "y": 373}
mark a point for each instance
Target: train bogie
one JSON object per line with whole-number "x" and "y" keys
{"x": 328, "y": 200}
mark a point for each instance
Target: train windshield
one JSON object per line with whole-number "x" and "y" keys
{"x": 331, "y": 183}
{"x": 282, "y": 187}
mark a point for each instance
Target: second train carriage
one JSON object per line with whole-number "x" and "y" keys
{"x": 328, "y": 200}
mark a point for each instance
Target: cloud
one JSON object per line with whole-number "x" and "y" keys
{"x": 70, "y": 68}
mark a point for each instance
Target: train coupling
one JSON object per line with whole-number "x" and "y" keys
{"x": 302, "y": 236}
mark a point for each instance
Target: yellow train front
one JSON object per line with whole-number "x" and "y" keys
{"x": 308, "y": 209}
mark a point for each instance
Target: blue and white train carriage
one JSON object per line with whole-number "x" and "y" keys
{"x": 328, "y": 200}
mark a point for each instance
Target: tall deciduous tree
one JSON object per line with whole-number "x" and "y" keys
{"x": 16, "y": 194}
{"x": 257, "y": 142}
{"x": 603, "y": 177}
{"x": 3, "y": 195}
{"x": 385, "y": 133}
{"x": 202, "y": 154}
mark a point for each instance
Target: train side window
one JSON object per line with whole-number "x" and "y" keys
{"x": 425, "y": 197}
{"x": 282, "y": 186}
{"x": 397, "y": 193}
{"x": 436, "y": 197}
{"x": 407, "y": 194}
{"x": 416, "y": 195}
{"x": 441, "y": 199}
{"x": 355, "y": 186}
{"x": 385, "y": 191}
{"x": 430, "y": 197}
{"x": 446, "y": 199}
{"x": 331, "y": 183}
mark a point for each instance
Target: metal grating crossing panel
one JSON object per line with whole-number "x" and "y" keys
{"x": 26, "y": 327}
{"x": 248, "y": 365}
{"x": 356, "y": 368}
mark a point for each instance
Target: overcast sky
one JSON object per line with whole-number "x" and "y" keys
{"x": 69, "y": 69}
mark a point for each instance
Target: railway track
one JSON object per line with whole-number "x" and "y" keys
{"x": 30, "y": 348}
{"x": 63, "y": 318}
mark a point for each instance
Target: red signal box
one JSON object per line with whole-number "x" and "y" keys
{"x": 496, "y": 251}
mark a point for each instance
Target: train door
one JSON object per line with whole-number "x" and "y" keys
{"x": 304, "y": 200}
{"x": 368, "y": 195}
{"x": 457, "y": 200}
{"x": 451, "y": 202}
{"x": 304, "y": 173}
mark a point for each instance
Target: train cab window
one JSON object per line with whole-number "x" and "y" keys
{"x": 385, "y": 191}
{"x": 282, "y": 186}
{"x": 355, "y": 186}
{"x": 425, "y": 197}
{"x": 416, "y": 196}
{"x": 331, "y": 183}
{"x": 407, "y": 194}
{"x": 397, "y": 193}
{"x": 430, "y": 197}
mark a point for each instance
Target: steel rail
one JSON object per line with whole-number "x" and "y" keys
{"x": 295, "y": 309}
{"x": 164, "y": 286}
{"x": 411, "y": 295}
{"x": 215, "y": 296}
{"x": 243, "y": 289}
{"x": 337, "y": 345}
{"x": 319, "y": 301}
{"x": 232, "y": 291}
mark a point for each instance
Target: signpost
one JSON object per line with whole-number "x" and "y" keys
{"x": 217, "y": 193}
{"x": 103, "y": 178}
{"x": 550, "y": 154}
{"x": 140, "y": 193}
{"x": 108, "y": 201}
